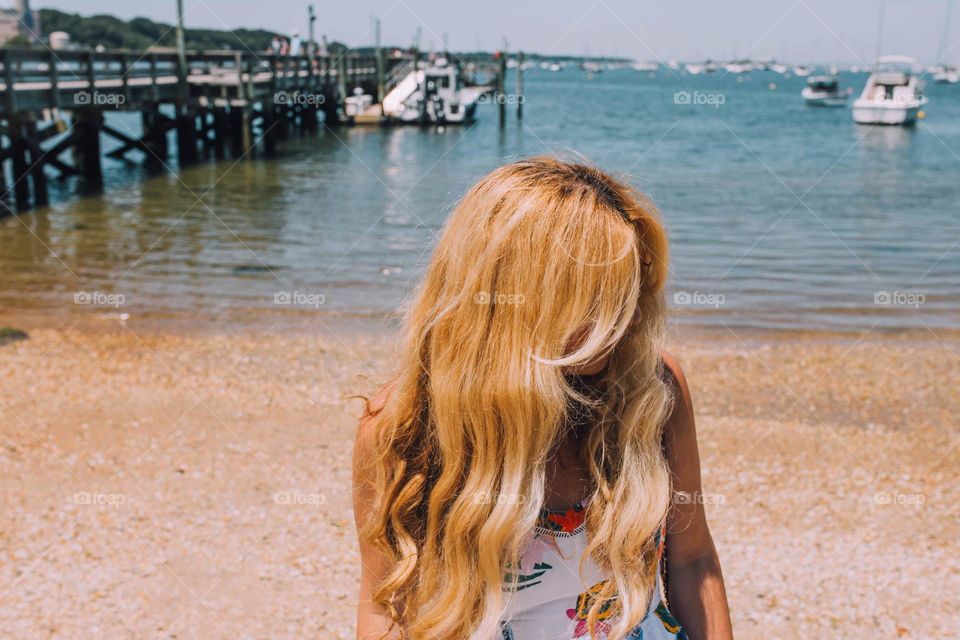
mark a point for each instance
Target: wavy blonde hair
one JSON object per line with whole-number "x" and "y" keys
{"x": 541, "y": 267}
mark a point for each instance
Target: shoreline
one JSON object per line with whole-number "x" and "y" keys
{"x": 374, "y": 326}
{"x": 169, "y": 484}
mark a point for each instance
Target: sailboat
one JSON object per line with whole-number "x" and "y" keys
{"x": 943, "y": 72}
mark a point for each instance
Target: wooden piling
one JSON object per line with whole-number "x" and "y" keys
{"x": 235, "y": 118}
{"x": 154, "y": 134}
{"x": 37, "y": 176}
{"x": 21, "y": 166}
{"x": 501, "y": 93}
{"x": 341, "y": 79}
{"x": 329, "y": 107}
{"x": 219, "y": 132}
{"x": 87, "y": 147}
{"x": 381, "y": 90}
{"x": 519, "y": 96}
{"x": 421, "y": 105}
{"x": 186, "y": 135}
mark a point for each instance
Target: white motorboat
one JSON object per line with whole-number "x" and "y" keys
{"x": 893, "y": 94}
{"x": 802, "y": 71}
{"x": 433, "y": 94}
{"x": 824, "y": 91}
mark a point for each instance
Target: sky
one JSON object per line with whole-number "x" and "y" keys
{"x": 843, "y": 31}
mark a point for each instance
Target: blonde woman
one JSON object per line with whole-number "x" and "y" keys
{"x": 518, "y": 479}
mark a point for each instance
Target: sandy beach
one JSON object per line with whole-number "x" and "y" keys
{"x": 178, "y": 485}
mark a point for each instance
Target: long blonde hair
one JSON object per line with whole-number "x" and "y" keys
{"x": 540, "y": 267}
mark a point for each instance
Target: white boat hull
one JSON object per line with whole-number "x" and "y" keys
{"x": 871, "y": 113}
{"x": 892, "y": 95}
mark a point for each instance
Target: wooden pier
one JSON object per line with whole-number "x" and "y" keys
{"x": 214, "y": 103}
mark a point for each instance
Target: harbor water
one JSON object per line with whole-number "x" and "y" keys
{"x": 781, "y": 216}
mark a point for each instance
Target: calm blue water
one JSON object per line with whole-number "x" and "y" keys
{"x": 780, "y": 215}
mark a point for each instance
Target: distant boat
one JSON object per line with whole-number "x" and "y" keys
{"x": 824, "y": 91}
{"x": 357, "y": 104}
{"x": 434, "y": 94}
{"x": 644, "y": 66}
{"x": 694, "y": 69}
{"x": 802, "y": 71}
{"x": 892, "y": 95}
{"x": 944, "y": 72}
{"x": 776, "y": 67}
{"x": 946, "y": 75}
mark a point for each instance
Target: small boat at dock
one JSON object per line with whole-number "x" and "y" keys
{"x": 435, "y": 94}
{"x": 358, "y": 104}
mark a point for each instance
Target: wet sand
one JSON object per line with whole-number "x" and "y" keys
{"x": 179, "y": 485}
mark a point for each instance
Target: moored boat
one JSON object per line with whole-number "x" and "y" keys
{"x": 893, "y": 94}
{"x": 824, "y": 91}
{"x": 433, "y": 94}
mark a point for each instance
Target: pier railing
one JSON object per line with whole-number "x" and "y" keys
{"x": 35, "y": 79}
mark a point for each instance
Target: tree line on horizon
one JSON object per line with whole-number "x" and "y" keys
{"x": 142, "y": 33}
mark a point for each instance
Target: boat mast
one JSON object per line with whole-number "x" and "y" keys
{"x": 880, "y": 28}
{"x": 944, "y": 35}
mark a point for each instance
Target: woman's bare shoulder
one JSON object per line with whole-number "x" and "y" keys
{"x": 365, "y": 444}
{"x": 673, "y": 372}
{"x": 681, "y": 420}
{"x": 373, "y": 406}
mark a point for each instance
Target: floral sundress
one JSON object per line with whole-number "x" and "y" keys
{"x": 552, "y": 599}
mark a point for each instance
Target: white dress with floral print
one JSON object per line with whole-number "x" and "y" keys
{"x": 552, "y": 596}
